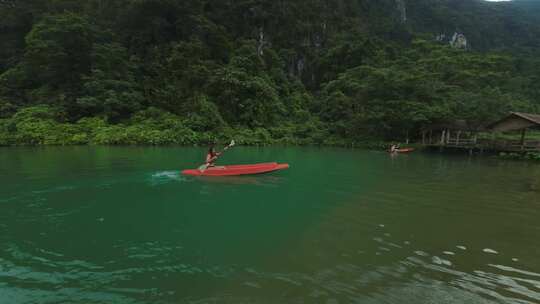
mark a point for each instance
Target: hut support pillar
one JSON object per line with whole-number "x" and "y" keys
{"x": 407, "y": 139}
{"x": 443, "y": 136}
{"x": 522, "y": 142}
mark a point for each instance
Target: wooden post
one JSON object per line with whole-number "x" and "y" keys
{"x": 407, "y": 140}
{"x": 423, "y": 138}
{"x": 448, "y": 136}
{"x": 430, "y": 136}
{"x": 443, "y": 136}
{"x": 522, "y": 142}
{"x": 457, "y": 138}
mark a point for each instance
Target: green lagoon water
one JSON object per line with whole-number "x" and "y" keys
{"x": 121, "y": 225}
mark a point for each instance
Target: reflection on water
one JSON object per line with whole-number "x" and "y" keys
{"x": 261, "y": 180}
{"x": 121, "y": 226}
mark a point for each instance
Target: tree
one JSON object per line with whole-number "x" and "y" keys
{"x": 110, "y": 88}
{"x": 58, "y": 52}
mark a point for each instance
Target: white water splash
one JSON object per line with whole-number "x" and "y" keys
{"x": 439, "y": 261}
{"x": 164, "y": 177}
{"x": 252, "y": 284}
{"x": 487, "y": 250}
{"x": 166, "y": 174}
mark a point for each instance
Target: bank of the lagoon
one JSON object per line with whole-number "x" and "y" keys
{"x": 121, "y": 225}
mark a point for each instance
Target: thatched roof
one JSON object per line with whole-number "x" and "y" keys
{"x": 530, "y": 117}
{"x": 516, "y": 121}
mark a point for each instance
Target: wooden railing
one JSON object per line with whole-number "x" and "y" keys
{"x": 453, "y": 142}
{"x": 461, "y": 142}
{"x": 485, "y": 143}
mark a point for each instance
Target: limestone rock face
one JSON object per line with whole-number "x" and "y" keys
{"x": 458, "y": 41}
{"x": 402, "y": 8}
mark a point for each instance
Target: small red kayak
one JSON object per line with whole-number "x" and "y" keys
{"x": 237, "y": 170}
{"x": 404, "y": 150}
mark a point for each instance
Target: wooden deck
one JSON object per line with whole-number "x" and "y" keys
{"x": 485, "y": 145}
{"x": 462, "y": 135}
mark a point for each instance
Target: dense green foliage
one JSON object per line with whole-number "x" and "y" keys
{"x": 296, "y": 72}
{"x": 532, "y": 156}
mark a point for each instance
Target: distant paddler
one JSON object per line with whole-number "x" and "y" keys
{"x": 396, "y": 148}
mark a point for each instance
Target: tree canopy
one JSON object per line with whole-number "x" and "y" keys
{"x": 166, "y": 71}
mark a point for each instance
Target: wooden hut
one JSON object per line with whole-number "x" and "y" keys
{"x": 461, "y": 135}
{"x": 517, "y": 122}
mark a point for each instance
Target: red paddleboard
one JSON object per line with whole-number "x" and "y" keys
{"x": 237, "y": 170}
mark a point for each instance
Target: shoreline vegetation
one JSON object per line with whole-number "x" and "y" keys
{"x": 39, "y": 126}
{"x": 35, "y": 127}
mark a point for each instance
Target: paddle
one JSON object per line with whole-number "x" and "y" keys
{"x": 205, "y": 166}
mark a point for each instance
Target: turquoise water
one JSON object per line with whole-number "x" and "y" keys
{"x": 121, "y": 225}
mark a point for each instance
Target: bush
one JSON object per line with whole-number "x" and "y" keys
{"x": 532, "y": 156}
{"x": 142, "y": 135}
{"x": 39, "y": 112}
{"x": 6, "y": 109}
{"x": 520, "y": 156}
{"x": 64, "y": 134}
{"x": 33, "y": 132}
{"x": 5, "y": 138}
